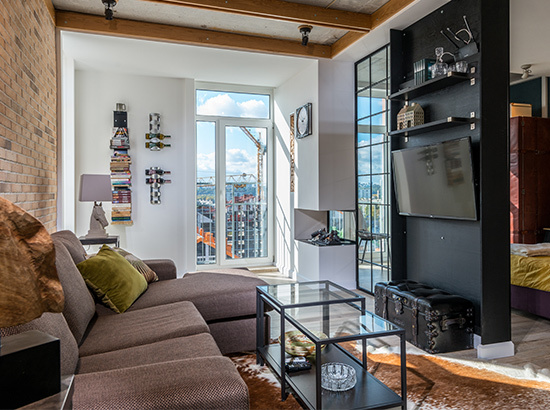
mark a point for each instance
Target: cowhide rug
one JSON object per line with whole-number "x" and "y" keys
{"x": 433, "y": 383}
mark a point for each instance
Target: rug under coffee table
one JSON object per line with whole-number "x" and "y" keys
{"x": 314, "y": 307}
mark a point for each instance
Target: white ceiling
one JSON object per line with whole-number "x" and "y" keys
{"x": 204, "y": 19}
{"x": 530, "y": 36}
{"x": 121, "y": 55}
{"x": 529, "y": 32}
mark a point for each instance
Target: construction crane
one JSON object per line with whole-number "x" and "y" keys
{"x": 261, "y": 152}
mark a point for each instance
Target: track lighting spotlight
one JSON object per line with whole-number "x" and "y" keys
{"x": 305, "y": 30}
{"x": 109, "y": 4}
{"x": 526, "y": 71}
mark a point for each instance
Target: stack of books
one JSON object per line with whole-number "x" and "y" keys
{"x": 121, "y": 178}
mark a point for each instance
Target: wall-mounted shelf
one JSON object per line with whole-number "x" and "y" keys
{"x": 430, "y": 86}
{"x": 432, "y": 126}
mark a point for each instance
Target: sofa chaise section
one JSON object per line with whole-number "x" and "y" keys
{"x": 226, "y": 299}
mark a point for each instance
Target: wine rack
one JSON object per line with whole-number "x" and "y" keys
{"x": 156, "y": 177}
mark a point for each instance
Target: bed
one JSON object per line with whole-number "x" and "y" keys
{"x": 530, "y": 278}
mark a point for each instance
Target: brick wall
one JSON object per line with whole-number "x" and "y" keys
{"x": 28, "y": 99}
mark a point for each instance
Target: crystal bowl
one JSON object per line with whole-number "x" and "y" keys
{"x": 337, "y": 377}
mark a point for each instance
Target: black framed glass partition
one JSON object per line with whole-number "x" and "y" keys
{"x": 373, "y": 169}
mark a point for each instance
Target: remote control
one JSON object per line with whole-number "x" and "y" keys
{"x": 296, "y": 364}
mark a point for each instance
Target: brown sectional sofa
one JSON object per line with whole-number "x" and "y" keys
{"x": 165, "y": 352}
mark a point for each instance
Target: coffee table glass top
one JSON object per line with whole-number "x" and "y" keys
{"x": 304, "y": 293}
{"x": 340, "y": 321}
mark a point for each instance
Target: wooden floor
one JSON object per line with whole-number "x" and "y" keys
{"x": 530, "y": 335}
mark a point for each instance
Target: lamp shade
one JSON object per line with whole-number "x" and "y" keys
{"x": 29, "y": 285}
{"x": 94, "y": 187}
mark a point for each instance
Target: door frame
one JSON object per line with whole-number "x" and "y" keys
{"x": 221, "y": 123}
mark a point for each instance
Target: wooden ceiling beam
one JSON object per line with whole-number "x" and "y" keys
{"x": 88, "y": 23}
{"x": 283, "y": 10}
{"x": 380, "y": 16}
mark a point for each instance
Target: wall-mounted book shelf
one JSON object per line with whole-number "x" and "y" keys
{"x": 432, "y": 126}
{"x": 430, "y": 86}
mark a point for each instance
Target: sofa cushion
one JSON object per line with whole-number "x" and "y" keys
{"x": 216, "y": 295}
{"x": 79, "y": 304}
{"x": 189, "y": 347}
{"x": 73, "y": 245}
{"x": 55, "y": 325}
{"x": 114, "y": 332}
{"x": 203, "y": 383}
{"x": 113, "y": 279}
{"x": 164, "y": 268}
{"x": 141, "y": 267}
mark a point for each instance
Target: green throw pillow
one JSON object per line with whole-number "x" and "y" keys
{"x": 111, "y": 277}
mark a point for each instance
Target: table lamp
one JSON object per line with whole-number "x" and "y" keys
{"x": 96, "y": 188}
{"x": 29, "y": 286}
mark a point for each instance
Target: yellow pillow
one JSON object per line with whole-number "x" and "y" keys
{"x": 111, "y": 277}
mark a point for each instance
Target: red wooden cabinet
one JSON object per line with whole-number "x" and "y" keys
{"x": 529, "y": 178}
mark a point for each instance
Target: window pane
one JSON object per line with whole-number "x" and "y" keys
{"x": 378, "y": 66}
{"x": 206, "y": 192}
{"x": 363, "y": 189}
{"x": 363, "y": 139}
{"x": 363, "y": 74}
{"x": 245, "y": 192}
{"x": 363, "y": 104}
{"x": 378, "y": 190}
{"x": 378, "y": 159}
{"x": 230, "y": 104}
{"x": 363, "y": 161}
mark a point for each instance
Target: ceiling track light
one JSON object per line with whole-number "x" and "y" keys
{"x": 109, "y": 4}
{"x": 526, "y": 71}
{"x": 305, "y": 30}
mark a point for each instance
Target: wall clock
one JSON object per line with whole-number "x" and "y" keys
{"x": 303, "y": 121}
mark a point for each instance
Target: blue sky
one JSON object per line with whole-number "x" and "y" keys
{"x": 241, "y": 152}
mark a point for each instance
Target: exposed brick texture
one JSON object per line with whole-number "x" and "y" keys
{"x": 28, "y": 101}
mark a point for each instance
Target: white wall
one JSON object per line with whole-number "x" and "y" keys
{"x": 336, "y": 136}
{"x": 298, "y": 90}
{"x": 324, "y": 161}
{"x": 159, "y": 231}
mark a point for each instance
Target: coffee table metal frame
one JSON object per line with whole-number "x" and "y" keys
{"x": 376, "y": 394}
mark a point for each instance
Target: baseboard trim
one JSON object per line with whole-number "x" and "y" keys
{"x": 495, "y": 350}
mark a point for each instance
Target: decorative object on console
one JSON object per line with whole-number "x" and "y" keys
{"x": 410, "y": 116}
{"x": 121, "y": 176}
{"x": 29, "y": 286}
{"x": 422, "y": 70}
{"x": 155, "y": 181}
{"x": 440, "y": 67}
{"x": 298, "y": 344}
{"x": 96, "y": 188}
{"x": 154, "y": 137}
{"x": 303, "y": 121}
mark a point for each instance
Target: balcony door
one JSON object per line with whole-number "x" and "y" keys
{"x": 232, "y": 191}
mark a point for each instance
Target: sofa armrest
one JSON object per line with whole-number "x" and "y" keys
{"x": 201, "y": 383}
{"x": 164, "y": 268}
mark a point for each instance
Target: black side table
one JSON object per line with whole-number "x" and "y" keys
{"x": 114, "y": 239}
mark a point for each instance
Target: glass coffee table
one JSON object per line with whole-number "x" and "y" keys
{"x": 333, "y": 319}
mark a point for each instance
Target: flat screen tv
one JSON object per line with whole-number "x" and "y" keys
{"x": 436, "y": 181}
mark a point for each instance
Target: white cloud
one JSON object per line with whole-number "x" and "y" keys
{"x": 206, "y": 164}
{"x": 238, "y": 161}
{"x": 224, "y": 105}
{"x": 253, "y": 109}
